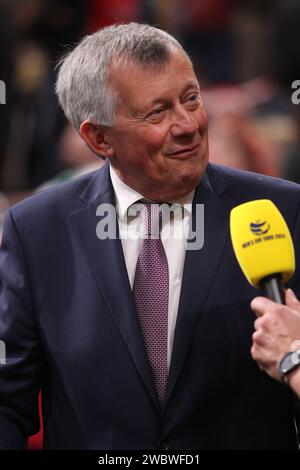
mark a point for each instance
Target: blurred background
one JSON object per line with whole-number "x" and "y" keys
{"x": 246, "y": 55}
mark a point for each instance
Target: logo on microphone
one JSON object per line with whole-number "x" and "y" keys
{"x": 259, "y": 228}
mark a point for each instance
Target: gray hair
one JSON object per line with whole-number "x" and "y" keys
{"x": 82, "y": 85}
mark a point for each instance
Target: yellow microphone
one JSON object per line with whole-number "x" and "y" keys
{"x": 263, "y": 246}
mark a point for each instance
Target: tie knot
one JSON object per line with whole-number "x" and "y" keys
{"x": 153, "y": 216}
{"x": 151, "y": 219}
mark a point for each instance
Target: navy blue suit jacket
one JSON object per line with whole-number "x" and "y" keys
{"x": 70, "y": 327}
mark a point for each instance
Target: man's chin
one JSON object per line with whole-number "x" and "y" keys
{"x": 180, "y": 187}
{"x": 192, "y": 176}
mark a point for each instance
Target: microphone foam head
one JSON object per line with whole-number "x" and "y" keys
{"x": 261, "y": 241}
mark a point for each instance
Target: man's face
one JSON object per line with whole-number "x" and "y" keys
{"x": 159, "y": 140}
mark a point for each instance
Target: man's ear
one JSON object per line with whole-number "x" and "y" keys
{"x": 94, "y": 137}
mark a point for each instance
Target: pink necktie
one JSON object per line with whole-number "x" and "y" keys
{"x": 151, "y": 295}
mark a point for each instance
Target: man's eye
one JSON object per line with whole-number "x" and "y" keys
{"x": 192, "y": 101}
{"x": 194, "y": 97}
{"x": 156, "y": 112}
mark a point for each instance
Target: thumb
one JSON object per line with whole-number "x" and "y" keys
{"x": 291, "y": 300}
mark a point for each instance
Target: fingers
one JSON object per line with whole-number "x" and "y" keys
{"x": 292, "y": 301}
{"x": 260, "y": 305}
{"x": 259, "y": 323}
{"x": 259, "y": 336}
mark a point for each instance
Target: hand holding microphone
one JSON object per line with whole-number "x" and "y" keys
{"x": 276, "y": 340}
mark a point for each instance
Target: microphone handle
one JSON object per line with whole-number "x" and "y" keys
{"x": 273, "y": 288}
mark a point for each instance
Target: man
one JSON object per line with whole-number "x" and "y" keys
{"x": 125, "y": 364}
{"x": 276, "y": 340}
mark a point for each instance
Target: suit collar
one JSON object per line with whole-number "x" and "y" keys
{"x": 98, "y": 186}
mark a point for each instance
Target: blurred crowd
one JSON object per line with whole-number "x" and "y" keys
{"x": 246, "y": 54}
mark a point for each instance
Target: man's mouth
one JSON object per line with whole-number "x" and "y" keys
{"x": 183, "y": 151}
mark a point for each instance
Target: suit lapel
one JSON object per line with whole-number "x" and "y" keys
{"x": 200, "y": 269}
{"x": 107, "y": 264}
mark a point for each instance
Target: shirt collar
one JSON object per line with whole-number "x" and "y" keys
{"x": 126, "y": 196}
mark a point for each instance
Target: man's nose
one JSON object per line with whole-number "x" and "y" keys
{"x": 185, "y": 123}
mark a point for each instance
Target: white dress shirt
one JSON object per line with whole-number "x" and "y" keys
{"x": 172, "y": 236}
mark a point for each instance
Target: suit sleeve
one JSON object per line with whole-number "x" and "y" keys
{"x": 20, "y": 372}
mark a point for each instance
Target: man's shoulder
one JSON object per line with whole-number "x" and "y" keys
{"x": 250, "y": 182}
{"x": 64, "y": 197}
